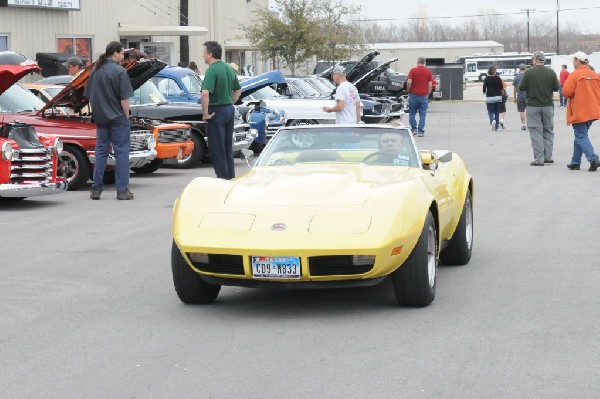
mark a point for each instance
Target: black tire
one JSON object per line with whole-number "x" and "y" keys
{"x": 74, "y": 166}
{"x": 196, "y": 156}
{"x": 459, "y": 249}
{"x": 189, "y": 286}
{"x": 150, "y": 167}
{"x": 415, "y": 281}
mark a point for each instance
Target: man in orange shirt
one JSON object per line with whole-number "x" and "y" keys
{"x": 582, "y": 89}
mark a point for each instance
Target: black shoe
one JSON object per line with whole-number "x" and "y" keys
{"x": 549, "y": 161}
{"x": 536, "y": 163}
{"x": 574, "y": 166}
{"x": 95, "y": 193}
{"x": 594, "y": 165}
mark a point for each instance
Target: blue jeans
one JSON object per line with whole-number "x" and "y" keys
{"x": 220, "y": 140}
{"x": 417, "y": 104}
{"x": 582, "y": 144}
{"x": 561, "y": 99}
{"x": 493, "y": 110}
{"x": 119, "y": 135}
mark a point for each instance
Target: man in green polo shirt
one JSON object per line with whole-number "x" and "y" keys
{"x": 540, "y": 83}
{"x": 220, "y": 90}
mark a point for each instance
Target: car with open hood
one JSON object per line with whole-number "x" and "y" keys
{"x": 173, "y": 139}
{"x": 297, "y": 111}
{"x": 28, "y": 161}
{"x": 327, "y": 206}
{"x": 77, "y": 129}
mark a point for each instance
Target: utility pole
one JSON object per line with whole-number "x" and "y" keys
{"x": 184, "y": 41}
{"x": 528, "y": 10}
{"x": 557, "y": 40}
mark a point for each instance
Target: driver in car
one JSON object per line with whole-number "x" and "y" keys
{"x": 391, "y": 151}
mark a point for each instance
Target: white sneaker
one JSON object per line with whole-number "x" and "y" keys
{"x": 502, "y": 125}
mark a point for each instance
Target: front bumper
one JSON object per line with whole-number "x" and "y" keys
{"x": 137, "y": 159}
{"x": 32, "y": 189}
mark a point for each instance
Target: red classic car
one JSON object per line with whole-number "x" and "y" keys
{"x": 28, "y": 161}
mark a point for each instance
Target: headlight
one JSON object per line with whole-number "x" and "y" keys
{"x": 58, "y": 146}
{"x": 6, "y": 151}
{"x": 151, "y": 142}
{"x": 254, "y": 133}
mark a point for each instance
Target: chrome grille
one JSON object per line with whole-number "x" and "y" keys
{"x": 31, "y": 165}
{"x": 139, "y": 140}
{"x": 174, "y": 135}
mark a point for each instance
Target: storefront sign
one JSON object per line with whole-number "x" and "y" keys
{"x": 66, "y": 5}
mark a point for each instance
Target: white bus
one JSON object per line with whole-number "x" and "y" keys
{"x": 476, "y": 66}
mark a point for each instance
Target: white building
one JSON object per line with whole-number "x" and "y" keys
{"x": 85, "y": 27}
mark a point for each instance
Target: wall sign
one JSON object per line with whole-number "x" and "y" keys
{"x": 66, "y": 5}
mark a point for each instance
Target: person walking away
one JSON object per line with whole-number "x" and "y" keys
{"x": 220, "y": 90}
{"x": 418, "y": 85}
{"x": 503, "y": 103}
{"x": 582, "y": 89}
{"x": 347, "y": 99}
{"x": 492, "y": 88}
{"x": 74, "y": 66}
{"x": 564, "y": 74}
{"x": 540, "y": 83}
{"x": 109, "y": 89}
{"x": 519, "y": 95}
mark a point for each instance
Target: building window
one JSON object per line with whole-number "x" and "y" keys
{"x": 3, "y": 43}
{"x": 79, "y": 46}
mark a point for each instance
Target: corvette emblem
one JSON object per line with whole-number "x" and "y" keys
{"x": 278, "y": 227}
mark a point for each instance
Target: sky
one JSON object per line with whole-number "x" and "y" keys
{"x": 586, "y": 13}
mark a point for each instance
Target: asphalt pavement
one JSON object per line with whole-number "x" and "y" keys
{"x": 88, "y": 308}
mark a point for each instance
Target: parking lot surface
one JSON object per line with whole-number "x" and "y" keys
{"x": 89, "y": 309}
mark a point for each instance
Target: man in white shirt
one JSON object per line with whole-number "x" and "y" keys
{"x": 347, "y": 107}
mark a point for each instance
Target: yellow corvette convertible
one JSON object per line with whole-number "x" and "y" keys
{"x": 327, "y": 206}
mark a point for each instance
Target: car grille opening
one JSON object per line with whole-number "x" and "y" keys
{"x": 336, "y": 265}
{"x": 174, "y": 135}
{"x": 222, "y": 264}
{"x": 139, "y": 140}
{"x": 31, "y": 166}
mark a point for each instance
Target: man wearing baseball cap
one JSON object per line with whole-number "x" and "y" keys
{"x": 74, "y": 66}
{"x": 582, "y": 88}
{"x": 540, "y": 83}
{"x": 347, "y": 107}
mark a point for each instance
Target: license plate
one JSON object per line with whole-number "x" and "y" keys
{"x": 275, "y": 267}
{"x": 180, "y": 153}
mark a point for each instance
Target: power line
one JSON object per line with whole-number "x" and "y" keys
{"x": 482, "y": 15}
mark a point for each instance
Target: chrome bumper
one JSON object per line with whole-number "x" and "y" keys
{"x": 32, "y": 189}
{"x": 137, "y": 159}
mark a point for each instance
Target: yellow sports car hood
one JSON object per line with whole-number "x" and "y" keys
{"x": 311, "y": 185}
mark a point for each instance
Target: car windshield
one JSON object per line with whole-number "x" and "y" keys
{"x": 148, "y": 93}
{"x": 320, "y": 86}
{"x": 305, "y": 88}
{"x": 263, "y": 94}
{"x": 339, "y": 144}
{"x": 53, "y": 91}
{"x": 18, "y": 99}
{"x": 193, "y": 83}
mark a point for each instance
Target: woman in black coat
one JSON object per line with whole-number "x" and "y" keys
{"x": 493, "y": 89}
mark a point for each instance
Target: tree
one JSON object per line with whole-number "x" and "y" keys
{"x": 304, "y": 28}
{"x": 293, "y": 36}
{"x": 341, "y": 36}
